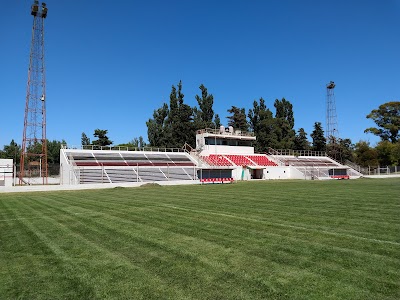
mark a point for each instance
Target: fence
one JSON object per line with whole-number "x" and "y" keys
{"x": 52, "y": 170}
{"x": 381, "y": 170}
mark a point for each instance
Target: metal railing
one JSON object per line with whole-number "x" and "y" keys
{"x": 383, "y": 170}
{"x": 290, "y": 152}
{"x": 123, "y": 148}
{"x": 84, "y": 175}
{"x": 225, "y": 132}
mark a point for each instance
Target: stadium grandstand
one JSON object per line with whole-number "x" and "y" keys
{"x": 221, "y": 156}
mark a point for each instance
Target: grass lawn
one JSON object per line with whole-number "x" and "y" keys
{"x": 251, "y": 240}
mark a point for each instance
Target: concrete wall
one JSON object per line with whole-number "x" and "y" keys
{"x": 67, "y": 175}
{"x": 6, "y": 172}
{"x": 277, "y": 172}
{"x": 269, "y": 173}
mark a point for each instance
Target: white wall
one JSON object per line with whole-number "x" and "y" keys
{"x": 277, "y": 173}
{"x": 237, "y": 174}
{"x": 6, "y": 172}
{"x": 67, "y": 176}
{"x": 220, "y": 149}
{"x": 270, "y": 173}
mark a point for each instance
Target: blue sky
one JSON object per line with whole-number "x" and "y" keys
{"x": 109, "y": 64}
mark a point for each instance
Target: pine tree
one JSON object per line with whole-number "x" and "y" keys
{"x": 11, "y": 151}
{"x": 319, "y": 141}
{"x": 217, "y": 121}
{"x": 262, "y": 122}
{"x": 237, "y": 119}
{"x": 301, "y": 142}
{"x": 85, "y": 140}
{"x": 158, "y": 131}
{"x": 206, "y": 112}
{"x": 183, "y": 131}
{"x": 284, "y": 120}
{"x": 102, "y": 138}
{"x": 172, "y": 126}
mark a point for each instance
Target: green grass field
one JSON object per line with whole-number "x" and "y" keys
{"x": 252, "y": 240}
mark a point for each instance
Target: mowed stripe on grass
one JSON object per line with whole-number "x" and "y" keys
{"x": 251, "y": 240}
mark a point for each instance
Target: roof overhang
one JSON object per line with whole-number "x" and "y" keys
{"x": 256, "y": 167}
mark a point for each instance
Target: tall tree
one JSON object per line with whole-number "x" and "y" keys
{"x": 346, "y": 150}
{"x": 135, "y": 143}
{"x": 262, "y": 123}
{"x": 340, "y": 149}
{"x": 172, "y": 126}
{"x": 284, "y": 110}
{"x": 173, "y": 116}
{"x": 237, "y": 119}
{"x": 364, "y": 155}
{"x": 181, "y": 116}
{"x": 387, "y": 118}
{"x": 158, "y": 131}
{"x": 284, "y": 123}
{"x": 206, "y": 112}
{"x": 319, "y": 141}
{"x": 217, "y": 121}
{"x": 11, "y": 151}
{"x": 53, "y": 151}
{"x": 102, "y": 138}
{"x": 395, "y": 155}
{"x": 301, "y": 142}
{"x": 197, "y": 119}
{"x": 385, "y": 150}
{"x": 85, "y": 140}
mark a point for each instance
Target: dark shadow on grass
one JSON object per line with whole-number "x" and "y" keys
{"x": 150, "y": 185}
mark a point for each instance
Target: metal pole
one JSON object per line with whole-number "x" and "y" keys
{"x": 15, "y": 173}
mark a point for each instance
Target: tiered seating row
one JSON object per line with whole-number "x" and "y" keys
{"x": 309, "y": 161}
{"x": 179, "y": 173}
{"x": 128, "y": 174}
{"x": 129, "y": 159}
{"x": 122, "y": 175}
{"x": 237, "y": 160}
{"x": 240, "y": 160}
{"x": 151, "y": 174}
{"x": 261, "y": 160}
{"x": 217, "y": 160}
{"x": 93, "y": 176}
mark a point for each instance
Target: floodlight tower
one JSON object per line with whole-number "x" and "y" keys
{"x": 34, "y": 143}
{"x": 332, "y": 132}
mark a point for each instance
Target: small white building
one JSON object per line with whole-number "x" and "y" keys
{"x": 6, "y": 172}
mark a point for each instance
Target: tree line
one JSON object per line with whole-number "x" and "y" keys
{"x": 174, "y": 124}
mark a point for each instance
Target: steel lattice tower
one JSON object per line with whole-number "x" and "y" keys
{"x": 332, "y": 132}
{"x": 34, "y": 143}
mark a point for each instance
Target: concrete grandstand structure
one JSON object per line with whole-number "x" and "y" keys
{"x": 114, "y": 165}
{"x": 221, "y": 155}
